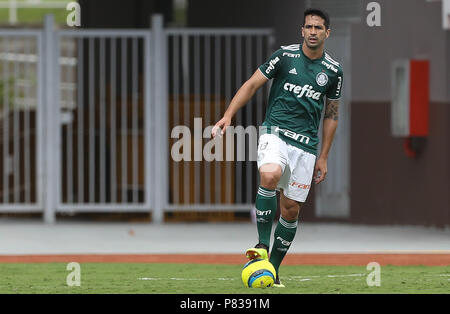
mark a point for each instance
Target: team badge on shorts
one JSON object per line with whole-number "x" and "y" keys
{"x": 322, "y": 79}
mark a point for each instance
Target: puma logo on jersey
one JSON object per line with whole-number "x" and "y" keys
{"x": 293, "y": 71}
{"x": 300, "y": 91}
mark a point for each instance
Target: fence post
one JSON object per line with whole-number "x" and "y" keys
{"x": 12, "y": 12}
{"x": 148, "y": 123}
{"x": 50, "y": 127}
{"x": 160, "y": 121}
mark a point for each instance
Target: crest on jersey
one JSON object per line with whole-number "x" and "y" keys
{"x": 322, "y": 79}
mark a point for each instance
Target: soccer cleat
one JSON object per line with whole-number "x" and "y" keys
{"x": 277, "y": 283}
{"x": 259, "y": 251}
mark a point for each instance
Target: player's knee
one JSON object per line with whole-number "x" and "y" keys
{"x": 270, "y": 179}
{"x": 270, "y": 174}
{"x": 290, "y": 215}
{"x": 290, "y": 211}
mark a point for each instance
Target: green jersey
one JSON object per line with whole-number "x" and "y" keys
{"x": 296, "y": 97}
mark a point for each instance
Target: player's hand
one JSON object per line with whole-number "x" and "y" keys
{"x": 221, "y": 126}
{"x": 320, "y": 170}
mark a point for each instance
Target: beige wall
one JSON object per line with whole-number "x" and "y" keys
{"x": 410, "y": 29}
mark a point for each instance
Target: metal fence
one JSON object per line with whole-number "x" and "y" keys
{"x": 87, "y": 114}
{"x": 102, "y": 120}
{"x": 21, "y": 109}
{"x": 206, "y": 68}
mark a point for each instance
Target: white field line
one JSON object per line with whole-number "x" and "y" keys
{"x": 438, "y": 275}
{"x": 350, "y": 275}
{"x": 188, "y": 279}
{"x": 293, "y": 278}
{"x": 306, "y": 278}
{"x": 287, "y": 278}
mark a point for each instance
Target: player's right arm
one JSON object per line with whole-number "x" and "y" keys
{"x": 243, "y": 95}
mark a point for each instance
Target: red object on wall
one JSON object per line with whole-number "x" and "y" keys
{"x": 419, "y": 92}
{"x": 408, "y": 149}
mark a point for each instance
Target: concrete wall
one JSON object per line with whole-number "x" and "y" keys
{"x": 410, "y": 29}
{"x": 286, "y": 17}
{"x": 447, "y": 53}
{"x": 386, "y": 185}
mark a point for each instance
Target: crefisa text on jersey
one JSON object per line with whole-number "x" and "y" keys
{"x": 272, "y": 64}
{"x": 330, "y": 67}
{"x": 301, "y": 90}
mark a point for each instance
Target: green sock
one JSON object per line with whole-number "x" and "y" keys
{"x": 266, "y": 207}
{"x": 283, "y": 237}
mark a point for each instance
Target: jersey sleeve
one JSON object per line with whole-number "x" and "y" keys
{"x": 272, "y": 66}
{"x": 334, "y": 92}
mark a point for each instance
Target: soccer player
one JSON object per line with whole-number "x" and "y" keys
{"x": 303, "y": 75}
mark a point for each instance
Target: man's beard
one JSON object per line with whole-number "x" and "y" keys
{"x": 313, "y": 47}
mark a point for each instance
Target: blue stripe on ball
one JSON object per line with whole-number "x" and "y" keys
{"x": 251, "y": 262}
{"x": 258, "y": 274}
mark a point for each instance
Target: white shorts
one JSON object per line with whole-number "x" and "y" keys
{"x": 297, "y": 165}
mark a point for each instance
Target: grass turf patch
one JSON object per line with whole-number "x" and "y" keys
{"x": 35, "y": 15}
{"x": 217, "y": 279}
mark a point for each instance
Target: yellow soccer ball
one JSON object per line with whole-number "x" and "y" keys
{"x": 258, "y": 273}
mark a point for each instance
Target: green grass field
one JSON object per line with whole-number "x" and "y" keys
{"x": 35, "y": 15}
{"x": 217, "y": 279}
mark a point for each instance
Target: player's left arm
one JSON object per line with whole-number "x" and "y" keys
{"x": 330, "y": 123}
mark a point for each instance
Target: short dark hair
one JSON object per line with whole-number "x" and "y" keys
{"x": 317, "y": 12}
